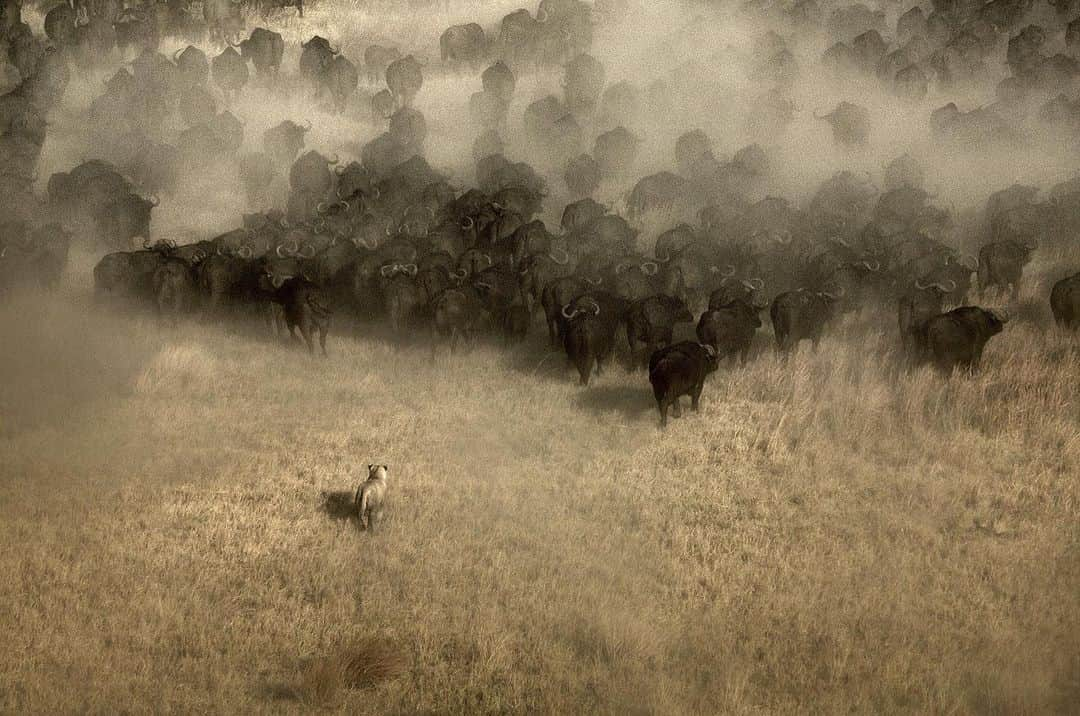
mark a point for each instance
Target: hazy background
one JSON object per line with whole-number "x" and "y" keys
{"x": 829, "y": 534}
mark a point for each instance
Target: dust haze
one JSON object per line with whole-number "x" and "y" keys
{"x": 835, "y": 530}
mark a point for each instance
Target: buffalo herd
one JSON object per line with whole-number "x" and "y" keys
{"x": 384, "y": 237}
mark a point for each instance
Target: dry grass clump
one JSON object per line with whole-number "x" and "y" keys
{"x": 177, "y": 369}
{"x": 360, "y": 663}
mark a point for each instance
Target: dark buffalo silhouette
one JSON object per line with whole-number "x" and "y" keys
{"x": 729, "y": 329}
{"x": 956, "y": 339}
{"x": 801, "y": 314}
{"x": 1065, "y": 301}
{"x": 679, "y": 370}
{"x": 1001, "y": 264}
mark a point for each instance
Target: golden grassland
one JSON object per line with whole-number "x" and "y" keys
{"x": 827, "y": 534}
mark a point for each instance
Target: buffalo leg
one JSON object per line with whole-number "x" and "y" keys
{"x": 676, "y": 409}
{"x": 584, "y": 367}
{"x": 662, "y": 405}
{"x": 695, "y": 398}
{"x": 322, "y": 338}
{"x": 305, "y": 331}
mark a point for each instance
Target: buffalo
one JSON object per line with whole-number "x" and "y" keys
{"x": 801, "y": 314}
{"x": 957, "y": 339}
{"x": 589, "y": 336}
{"x": 1001, "y": 264}
{"x": 1065, "y": 301}
{"x": 915, "y": 308}
{"x": 650, "y": 323}
{"x": 729, "y": 329}
{"x": 680, "y": 370}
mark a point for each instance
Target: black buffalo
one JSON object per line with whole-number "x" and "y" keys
{"x": 1001, "y": 264}
{"x": 801, "y": 314}
{"x": 305, "y": 307}
{"x": 589, "y": 337}
{"x": 729, "y": 329}
{"x": 957, "y": 338}
{"x": 650, "y": 323}
{"x": 1065, "y": 301}
{"x": 680, "y": 370}
{"x": 915, "y": 308}
{"x": 458, "y": 314}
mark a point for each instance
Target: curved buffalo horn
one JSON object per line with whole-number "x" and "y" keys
{"x": 369, "y": 244}
{"x": 950, "y": 288}
{"x": 973, "y": 262}
{"x": 334, "y": 51}
{"x": 460, "y": 274}
{"x": 488, "y": 259}
{"x": 876, "y": 267}
{"x": 387, "y": 270}
{"x": 146, "y": 243}
{"x": 525, "y": 270}
{"x": 154, "y": 200}
{"x": 594, "y": 304}
{"x": 319, "y": 225}
{"x": 665, "y": 258}
{"x": 921, "y": 287}
{"x": 284, "y": 223}
{"x": 245, "y": 251}
{"x": 177, "y": 54}
{"x": 468, "y": 227}
{"x": 304, "y": 251}
{"x": 565, "y": 260}
{"x": 729, "y": 270}
{"x": 756, "y": 283}
{"x": 594, "y": 281}
{"x": 484, "y": 284}
{"x": 619, "y": 268}
{"x": 782, "y": 241}
{"x": 389, "y": 231}
{"x": 410, "y": 269}
{"x": 568, "y": 316}
{"x": 333, "y": 161}
{"x": 343, "y": 204}
{"x": 320, "y": 208}
{"x": 278, "y": 251}
{"x": 650, "y": 268}
{"x": 3, "y": 252}
{"x": 220, "y": 250}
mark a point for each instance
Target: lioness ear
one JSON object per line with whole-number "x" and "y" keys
{"x": 370, "y": 467}
{"x": 385, "y": 468}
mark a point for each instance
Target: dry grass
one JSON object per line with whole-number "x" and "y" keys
{"x": 829, "y": 534}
